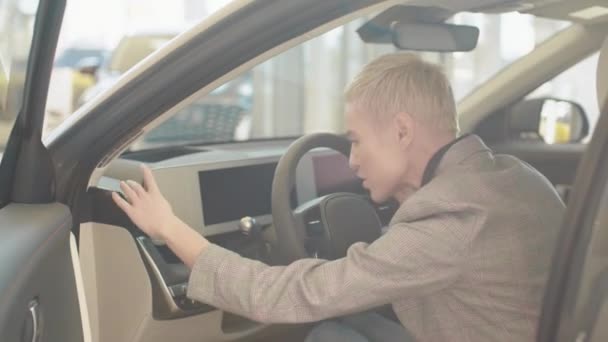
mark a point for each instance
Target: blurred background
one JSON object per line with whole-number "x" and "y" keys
{"x": 101, "y": 40}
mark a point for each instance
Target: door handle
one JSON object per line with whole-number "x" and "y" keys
{"x": 33, "y": 325}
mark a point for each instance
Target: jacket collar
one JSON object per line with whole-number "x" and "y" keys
{"x": 452, "y": 154}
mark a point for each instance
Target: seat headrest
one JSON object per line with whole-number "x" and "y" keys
{"x": 602, "y": 75}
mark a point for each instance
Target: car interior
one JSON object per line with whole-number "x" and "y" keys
{"x": 135, "y": 287}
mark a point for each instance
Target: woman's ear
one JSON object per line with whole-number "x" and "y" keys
{"x": 404, "y": 124}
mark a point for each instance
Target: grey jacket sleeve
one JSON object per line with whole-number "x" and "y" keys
{"x": 410, "y": 260}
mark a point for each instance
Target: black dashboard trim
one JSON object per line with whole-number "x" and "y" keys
{"x": 102, "y": 209}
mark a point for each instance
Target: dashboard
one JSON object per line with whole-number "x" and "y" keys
{"x": 212, "y": 188}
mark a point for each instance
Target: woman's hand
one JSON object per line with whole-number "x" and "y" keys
{"x": 146, "y": 206}
{"x": 151, "y": 212}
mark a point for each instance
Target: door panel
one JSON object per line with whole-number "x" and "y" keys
{"x": 120, "y": 293}
{"x": 36, "y": 241}
{"x": 38, "y": 291}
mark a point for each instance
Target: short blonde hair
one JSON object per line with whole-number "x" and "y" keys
{"x": 403, "y": 82}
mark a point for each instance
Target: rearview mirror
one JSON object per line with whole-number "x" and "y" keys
{"x": 554, "y": 121}
{"x": 437, "y": 37}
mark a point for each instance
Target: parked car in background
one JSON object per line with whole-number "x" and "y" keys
{"x": 221, "y": 116}
{"x": 73, "y": 56}
{"x": 73, "y": 72}
{"x": 130, "y": 50}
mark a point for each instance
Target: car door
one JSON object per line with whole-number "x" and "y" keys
{"x": 38, "y": 291}
{"x": 576, "y": 300}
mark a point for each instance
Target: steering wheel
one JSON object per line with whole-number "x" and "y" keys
{"x": 325, "y": 226}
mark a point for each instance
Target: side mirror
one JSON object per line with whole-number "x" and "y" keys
{"x": 89, "y": 65}
{"x": 551, "y": 120}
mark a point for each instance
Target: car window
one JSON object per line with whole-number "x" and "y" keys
{"x": 16, "y": 31}
{"x": 300, "y": 90}
{"x": 72, "y": 57}
{"x": 297, "y": 92}
{"x": 134, "y": 48}
{"x": 93, "y": 52}
{"x": 576, "y": 84}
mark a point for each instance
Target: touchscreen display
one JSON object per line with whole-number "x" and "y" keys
{"x": 233, "y": 193}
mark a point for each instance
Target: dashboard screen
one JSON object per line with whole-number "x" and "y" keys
{"x": 233, "y": 193}
{"x": 332, "y": 174}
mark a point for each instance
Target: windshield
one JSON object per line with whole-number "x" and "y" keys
{"x": 16, "y": 31}
{"x": 296, "y": 92}
{"x": 300, "y": 91}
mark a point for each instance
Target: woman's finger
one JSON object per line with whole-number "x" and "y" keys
{"x": 139, "y": 190}
{"x": 149, "y": 181}
{"x": 121, "y": 203}
{"x": 130, "y": 194}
